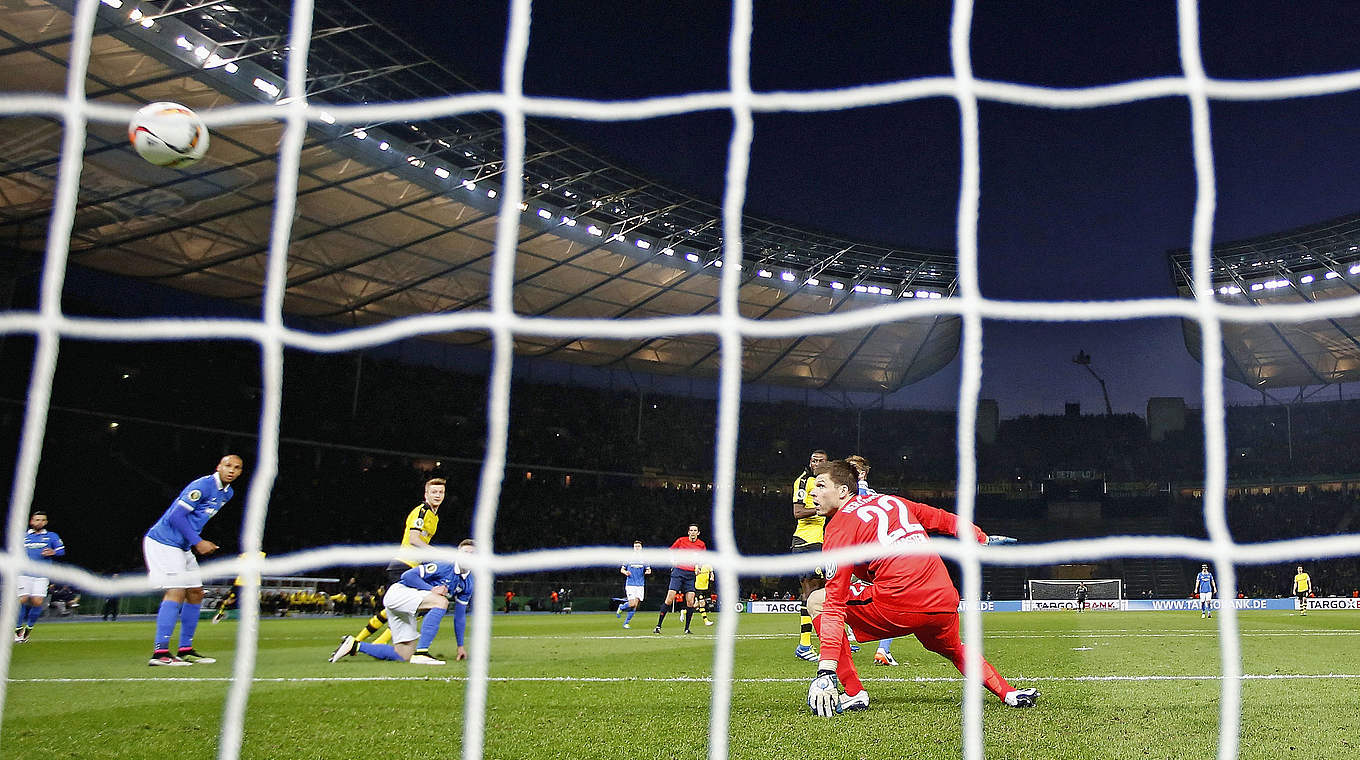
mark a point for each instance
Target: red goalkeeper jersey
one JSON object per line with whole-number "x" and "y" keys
{"x": 683, "y": 542}
{"x": 909, "y": 584}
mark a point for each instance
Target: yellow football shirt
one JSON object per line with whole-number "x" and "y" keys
{"x": 423, "y": 519}
{"x": 702, "y": 575}
{"x": 1302, "y": 583}
{"x": 809, "y": 529}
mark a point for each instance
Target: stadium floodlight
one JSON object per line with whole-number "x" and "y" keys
{"x": 1306, "y": 279}
{"x": 360, "y": 134}
{"x": 1333, "y": 275}
{"x": 326, "y": 117}
{"x": 764, "y": 273}
{"x": 569, "y": 221}
{"x": 861, "y": 288}
{"x": 441, "y": 172}
{"x": 469, "y": 184}
{"x": 596, "y": 231}
{"x": 813, "y": 281}
{"x": 717, "y": 263}
{"x": 183, "y": 43}
{"x": 523, "y": 206}
{"x": 384, "y": 145}
{"x": 837, "y": 285}
{"x": 269, "y": 88}
{"x": 1257, "y": 287}
{"x": 231, "y": 68}
{"x": 113, "y": 3}
{"x": 668, "y": 251}
{"x": 148, "y": 22}
{"x": 787, "y": 276}
{"x": 872, "y": 289}
{"x": 692, "y": 258}
{"x": 644, "y": 244}
{"x": 543, "y": 213}
{"x": 491, "y": 193}
{"x": 1355, "y": 269}
{"x": 201, "y": 53}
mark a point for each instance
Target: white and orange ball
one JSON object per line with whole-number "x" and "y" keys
{"x": 168, "y": 134}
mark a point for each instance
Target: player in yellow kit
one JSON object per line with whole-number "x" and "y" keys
{"x": 421, "y": 524}
{"x": 1303, "y": 586}
{"x": 807, "y": 537}
{"x": 703, "y": 579}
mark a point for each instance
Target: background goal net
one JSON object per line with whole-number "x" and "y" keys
{"x": 1096, "y": 588}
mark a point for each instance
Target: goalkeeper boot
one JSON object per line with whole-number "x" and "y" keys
{"x": 1022, "y": 697}
{"x": 856, "y": 703}
{"x": 348, "y": 646}
{"x": 191, "y": 656}
{"x": 806, "y": 653}
{"x": 884, "y": 658}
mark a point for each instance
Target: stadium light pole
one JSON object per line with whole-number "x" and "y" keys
{"x": 1084, "y": 359}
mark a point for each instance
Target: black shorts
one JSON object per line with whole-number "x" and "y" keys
{"x": 806, "y": 548}
{"x": 682, "y": 581}
{"x": 395, "y": 569}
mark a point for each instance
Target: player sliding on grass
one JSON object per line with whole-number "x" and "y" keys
{"x": 895, "y": 596}
{"x": 427, "y": 588}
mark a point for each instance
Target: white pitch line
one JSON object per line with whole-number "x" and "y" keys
{"x": 682, "y": 679}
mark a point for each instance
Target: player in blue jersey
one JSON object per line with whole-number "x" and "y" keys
{"x": 634, "y": 586}
{"x": 41, "y": 545}
{"x": 1206, "y": 588}
{"x": 169, "y": 550}
{"x": 427, "y": 587}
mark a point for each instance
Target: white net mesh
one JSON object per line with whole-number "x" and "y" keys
{"x": 49, "y": 325}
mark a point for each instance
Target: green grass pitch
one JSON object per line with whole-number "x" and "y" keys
{"x": 1115, "y": 685}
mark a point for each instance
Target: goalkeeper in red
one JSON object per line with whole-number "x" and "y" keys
{"x": 896, "y": 596}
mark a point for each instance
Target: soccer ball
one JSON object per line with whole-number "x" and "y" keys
{"x": 168, "y": 134}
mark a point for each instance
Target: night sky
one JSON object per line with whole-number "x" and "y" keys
{"x": 1075, "y": 205}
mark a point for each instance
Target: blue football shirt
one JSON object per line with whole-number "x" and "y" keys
{"x": 202, "y": 499}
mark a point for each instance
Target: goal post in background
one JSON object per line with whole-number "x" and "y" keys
{"x": 1064, "y": 590}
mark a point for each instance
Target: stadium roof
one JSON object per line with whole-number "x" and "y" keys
{"x": 1304, "y": 265}
{"x": 396, "y": 219}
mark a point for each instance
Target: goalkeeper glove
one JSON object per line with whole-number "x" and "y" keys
{"x": 994, "y": 540}
{"x": 824, "y": 694}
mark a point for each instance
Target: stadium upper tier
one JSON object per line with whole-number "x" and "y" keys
{"x": 399, "y": 218}
{"x": 1320, "y": 262}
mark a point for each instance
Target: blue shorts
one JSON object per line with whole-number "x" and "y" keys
{"x": 682, "y": 581}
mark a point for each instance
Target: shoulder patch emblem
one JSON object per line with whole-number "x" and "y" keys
{"x": 195, "y": 495}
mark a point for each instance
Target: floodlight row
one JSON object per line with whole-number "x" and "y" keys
{"x": 207, "y": 58}
{"x": 1284, "y": 282}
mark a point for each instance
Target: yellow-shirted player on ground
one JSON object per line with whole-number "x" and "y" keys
{"x": 807, "y": 537}
{"x": 421, "y": 524}
{"x": 1303, "y": 586}
{"x": 703, "y": 580}
{"x": 233, "y": 596}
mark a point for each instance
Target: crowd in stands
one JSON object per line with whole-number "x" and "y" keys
{"x": 601, "y": 466}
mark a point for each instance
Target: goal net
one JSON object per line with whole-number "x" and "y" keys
{"x": 289, "y": 102}
{"x": 1064, "y": 590}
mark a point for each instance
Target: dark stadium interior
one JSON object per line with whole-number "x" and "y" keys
{"x": 605, "y": 466}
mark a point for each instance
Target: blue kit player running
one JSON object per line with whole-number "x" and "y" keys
{"x": 1206, "y": 588}
{"x": 41, "y": 545}
{"x": 634, "y": 586}
{"x": 427, "y": 588}
{"x": 169, "y": 550}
